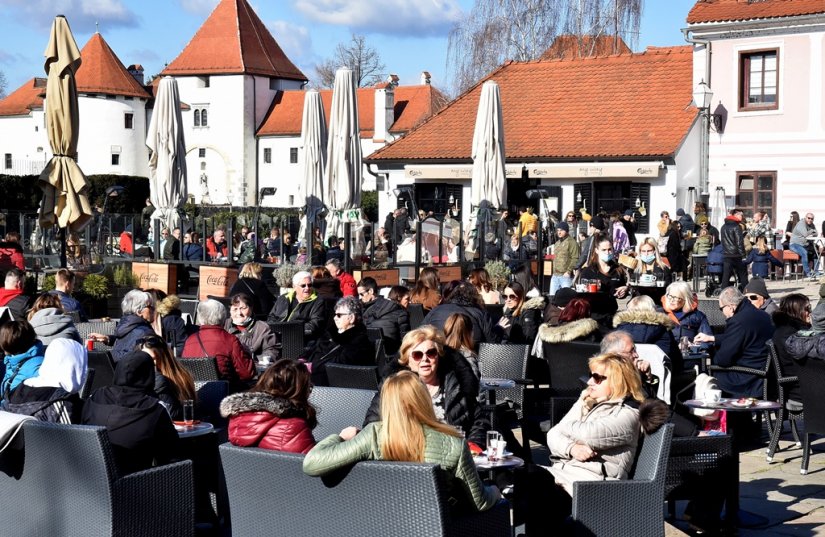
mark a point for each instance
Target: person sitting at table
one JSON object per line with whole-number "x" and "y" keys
{"x": 651, "y": 263}
{"x": 523, "y": 274}
{"x": 747, "y": 329}
{"x": 383, "y": 314}
{"x": 427, "y": 290}
{"x": 216, "y": 245}
{"x": 23, "y": 354}
{"x": 601, "y": 266}
{"x": 192, "y": 249}
{"x": 648, "y": 326}
{"x": 50, "y": 322}
{"x": 409, "y": 431}
{"x": 458, "y": 331}
{"x": 254, "y": 335}
{"x": 346, "y": 342}
{"x": 275, "y": 413}
{"x": 301, "y": 304}
{"x": 575, "y": 324}
{"x": 173, "y": 327}
{"x": 596, "y": 440}
{"x": 794, "y": 317}
{"x": 757, "y": 292}
{"x": 52, "y": 395}
{"x": 480, "y": 278}
{"x": 682, "y": 306}
{"x": 173, "y": 382}
{"x": 399, "y": 294}
{"x": 521, "y": 318}
{"x": 462, "y": 297}
{"x": 139, "y": 427}
{"x": 324, "y": 284}
{"x": 452, "y": 386}
{"x": 704, "y": 242}
{"x": 250, "y": 281}
{"x": 211, "y": 340}
{"x": 138, "y": 308}
{"x": 514, "y": 252}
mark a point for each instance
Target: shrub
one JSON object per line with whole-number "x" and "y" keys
{"x": 96, "y": 286}
{"x": 283, "y": 275}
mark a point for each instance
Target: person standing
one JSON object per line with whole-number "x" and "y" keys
{"x": 345, "y": 279}
{"x": 629, "y": 221}
{"x": 216, "y": 246}
{"x": 733, "y": 248}
{"x": 12, "y": 297}
{"x": 528, "y": 221}
{"x": 566, "y": 253}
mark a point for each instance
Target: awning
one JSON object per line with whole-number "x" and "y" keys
{"x": 565, "y": 170}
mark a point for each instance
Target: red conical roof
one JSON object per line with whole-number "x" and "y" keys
{"x": 24, "y": 99}
{"x": 102, "y": 72}
{"x": 233, "y": 40}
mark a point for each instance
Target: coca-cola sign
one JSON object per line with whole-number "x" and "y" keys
{"x": 221, "y": 281}
{"x": 149, "y": 278}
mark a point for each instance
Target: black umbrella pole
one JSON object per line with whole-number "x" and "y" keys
{"x": 63, "y": 247}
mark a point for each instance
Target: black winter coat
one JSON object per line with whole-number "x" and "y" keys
{"x": 482, "y": 324}
{"x": 651, "y": 327}
{"x": 45, "y": 403}
{"x": 743, "y": 344}
{"x": 351, "y": 347}
{"x": 175, "y": 330}
{"x": 311, "y": 313}
{"x": 391, "y": 318}
{"x": 127, "y": 333}
{"x": 733, "y": 239}
{"x": 460, "y": 387}
{"x": 787, "y": 326}
{"x": 523, "y": 328}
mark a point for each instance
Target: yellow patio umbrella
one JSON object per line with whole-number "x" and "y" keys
{"x": 65, "y": 189}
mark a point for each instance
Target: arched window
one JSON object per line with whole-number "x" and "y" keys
{"x": 203, "y": 118}
{"x": 197, "y": 118}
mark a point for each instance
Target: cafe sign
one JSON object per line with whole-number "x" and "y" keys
{"x": 158, "y": 276}
{"x": 560, "y": 170}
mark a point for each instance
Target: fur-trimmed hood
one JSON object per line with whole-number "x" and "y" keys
{"x": 643, "y": 317}
{"x": 239, "y": 403}
{"x": 168, "y": 305}
{"x": 535, "y": 303}
{"x": 568, "y": 332}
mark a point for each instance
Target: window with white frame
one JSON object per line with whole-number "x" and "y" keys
{"x": 759, "y": 80}
{"x": 201, "y": 116}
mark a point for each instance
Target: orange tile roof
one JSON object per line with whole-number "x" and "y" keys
{"x": 102, "y": 72}
{"x": 740, "y": 10}
{"x": 623, "y": 106}
{"x": 568, "y": 47}
{"x": 233, "y": 40}
{"x": 24, "y": 99}
{"x": 413, "y": 104}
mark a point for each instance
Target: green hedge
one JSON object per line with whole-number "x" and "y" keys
{"x": 21, "y": 193}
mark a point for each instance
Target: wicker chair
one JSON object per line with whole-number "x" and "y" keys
{"x": 507, "y": 361}
{"x": 790, "y": 410}
{"x": 86, "y": 389}
{"x": 698, "y": 467}
{"x": 99, "y": 327}
{"x": 716, "y": 318}
{"x": 417, "y": 314}
{"x": 628, "y": 507}
{"x": 568, "y": 365}
{"x": 202, "y": 369}
{"x": 291, "y": 336}
{"x": 811, "y": 380}
{"x": 190, "y": 307}
{"x": 210, "y": 395}
{"x": 405, "y": 499}
{"x": 375, "y": 334}
{"x": 73, "y": 467}
{"x": 101, "y": 362}
{"x": 359, "y": 377}
{"x": 339, "y": 408}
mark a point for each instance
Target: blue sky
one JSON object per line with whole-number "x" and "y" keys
{"x": 411, "y": 35}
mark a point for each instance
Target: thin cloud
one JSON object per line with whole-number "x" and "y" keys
{"x": 393, "y": 17}
{"x": 295, "y": 40}
{"x": 199, "y": 7}
{"x": 81, "y": 14}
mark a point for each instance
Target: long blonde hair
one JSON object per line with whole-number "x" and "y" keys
{"x": 406, "y": 407}
{"x": 621, "y": 375}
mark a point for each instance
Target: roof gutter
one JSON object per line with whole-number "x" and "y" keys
{"x": 704, "y": 149}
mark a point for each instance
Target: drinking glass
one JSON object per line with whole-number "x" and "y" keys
{"x": 189, "y": 412}
{"x": 493, "y": 439}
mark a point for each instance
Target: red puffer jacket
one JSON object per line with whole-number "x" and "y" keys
{"x": 234, "y": 362}
{"x": 258, "y": 419}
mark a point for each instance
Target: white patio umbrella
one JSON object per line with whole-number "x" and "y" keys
{"x": 167, "y": 158}
{"x": 314, "y": 145}
{"x": 343, "y": 169}
{"x": 719, "y": 208}
{"x": 488, "y": 189}
{"x": 65, "y": 189}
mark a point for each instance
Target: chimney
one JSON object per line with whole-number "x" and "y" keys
{"x": 136, "y": 70}
{"x": 425, "y": 78}
{"x": 384, "y": 111}
{"x": 392, "y": 80}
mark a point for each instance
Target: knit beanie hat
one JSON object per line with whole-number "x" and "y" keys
{"x": 757, "y": 285}
{"x": 563, "y": 226}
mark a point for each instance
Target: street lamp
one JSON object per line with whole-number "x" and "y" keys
{"x": 111, "y": 192}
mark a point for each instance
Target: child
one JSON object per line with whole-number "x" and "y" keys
{"x": 762, "y": 258}
{"x": 302, "y": 256}
{"x": 703, "y": 243}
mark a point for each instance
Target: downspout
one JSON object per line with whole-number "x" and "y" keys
{"x": 257, "y": 142}
{"x": 704, "y": 149}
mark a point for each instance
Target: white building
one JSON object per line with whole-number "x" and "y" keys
{"x": 112, "y": 103}
{"x": 764, "y": 62}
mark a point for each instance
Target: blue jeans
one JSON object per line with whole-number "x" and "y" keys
{"x": 803, "y": 257}
{"x": 558, "y": 281}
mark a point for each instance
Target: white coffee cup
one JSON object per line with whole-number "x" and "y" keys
{"x": 647, "y": 278}
{"x": 713, "y": 396}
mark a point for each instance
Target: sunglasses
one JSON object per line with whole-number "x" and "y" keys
{"x": 305, "y": 285}
{"x": 511, "y": 297}
{"x": 597, "y": 378}
{"x": 339, "y": 315}
{"x": 431, "y": 353}
{"x": 722, "y": 308}
{"x": 151, "y": 341}
{"x": 753, "y": 297}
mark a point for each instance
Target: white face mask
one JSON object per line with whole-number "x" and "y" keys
{"x": 648, "y": 258}
{"x": 605, "y": 257}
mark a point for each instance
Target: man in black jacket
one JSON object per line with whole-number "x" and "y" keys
{"x": 389, "y": 316}
{"x": 301, "y": 304}
{"x": 733, "y": 248}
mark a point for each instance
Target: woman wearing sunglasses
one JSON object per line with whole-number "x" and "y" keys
{"x": 595, "y": 441}
{"x": 450, "y": 382}
{"x": 345, "y": 343}
{"x": 173, "y": 383}
{"x": 522, "y": 318}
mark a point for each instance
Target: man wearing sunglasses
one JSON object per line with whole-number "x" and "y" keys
{"x": 757, "y": 293}
{"x": 621, "y": 343}
{"x": 301, "y": 304}
{"x": 800, "y": 245}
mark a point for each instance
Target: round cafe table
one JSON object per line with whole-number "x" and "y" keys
{"x": 490, "y": 385}
{"x": 511, "y": 461}
{"x": 200, "y": 428}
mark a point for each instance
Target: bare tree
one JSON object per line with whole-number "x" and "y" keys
{"x": 359, "y": 56}
{"x": 495, "y": 31}
{"x": 3, "y": 84}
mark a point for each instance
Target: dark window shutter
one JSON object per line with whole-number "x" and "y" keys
{"x": 641, "y": 191}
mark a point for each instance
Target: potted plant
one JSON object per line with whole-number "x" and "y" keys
{"x": 283, "y": 274}
{"x": 124, "y": 281}
{"x": 499, "y": 274}
{"x": 94, "y": 292}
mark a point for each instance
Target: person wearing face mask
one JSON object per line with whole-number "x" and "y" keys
{"x": 255, "y": 336}
{"x": 602, "y": 267}
{"x": 650, "y": 262}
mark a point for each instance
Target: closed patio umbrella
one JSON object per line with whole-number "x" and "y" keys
{"x": 65, "y": 200}
{"x": 488, "y": 188}
{"x": 343, "y": 168}
{"x": 314, "y": 144}
{"x": 719, "y": 209}
{"x": 167, "y": 157}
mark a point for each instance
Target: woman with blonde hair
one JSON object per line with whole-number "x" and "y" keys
{"x": 427, "y": 290}
{"x": 250, "y": 281}
{"x": 408, "y": 431}
{"x": 480, "y": 278}
{"x": 682, "y": 306}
